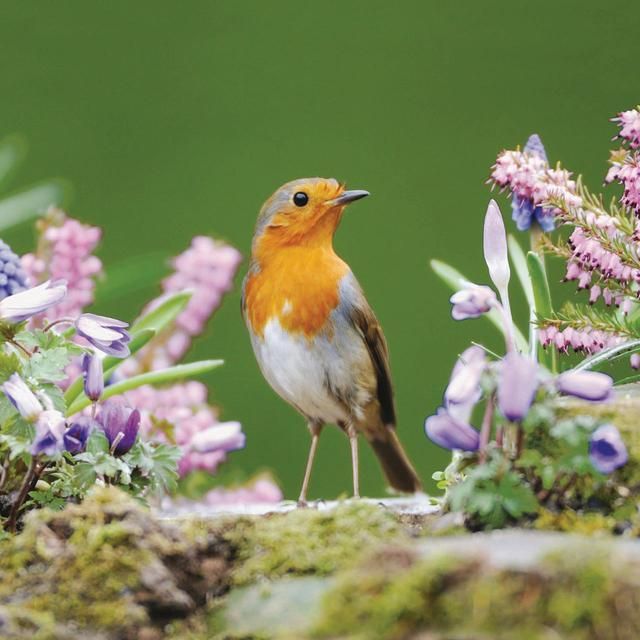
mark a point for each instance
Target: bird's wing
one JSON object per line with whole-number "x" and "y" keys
{"x": 356, "y": 308}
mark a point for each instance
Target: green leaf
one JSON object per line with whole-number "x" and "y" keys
{"x": 110, "y": 363}
{"x": 164, "y": 314}
{"x": 48, "y": 366}
{"x": 456, "y": 280}
{"x": 542, "y": 301}
{"x": 148, "y": 269}
{"x": 9, "y": 364}
{"x": 157, "y": 460}
{"x": 31, "y": 202}
{"x": 610, "y": 354}
{"x": 12, "y": 151}
{"x": 97, "y": 443}
{"x": 162, "y": 376}
{"x": 519, "y": 261}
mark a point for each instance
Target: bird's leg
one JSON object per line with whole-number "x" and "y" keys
{"x": 353, "y": 440}
{"x": 315, "y": 436}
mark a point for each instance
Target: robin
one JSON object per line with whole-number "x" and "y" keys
{"x": 315, "y": 337}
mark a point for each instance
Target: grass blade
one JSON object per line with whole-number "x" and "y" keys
{"x": 542, "y": 301}
{"x": 31, "y": 202}
{"x": 162, "y": 376}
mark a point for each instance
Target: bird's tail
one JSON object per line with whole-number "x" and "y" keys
{"x": 395, "y": 463}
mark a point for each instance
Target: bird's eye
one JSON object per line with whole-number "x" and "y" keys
{"x": 300, "y": 199}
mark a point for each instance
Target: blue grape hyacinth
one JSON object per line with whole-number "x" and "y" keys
{"x": 13, "y": 278}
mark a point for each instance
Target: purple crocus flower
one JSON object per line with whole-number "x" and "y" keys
{"x": 121, "y": 425}
{"x": 93, "y": 376}
{"x": 76, "y": 436}
{"x": 472, "y": 301}
{"x": 517, "y": 386}
{"x": 588, "y": 385}
{"x": 22, "y": 306}
{"x": 22, "y": 398}
{"x": 106, "y": 334}
{"x": 607, "y": 450}
{"x": 450, "y": 433}
{"x": 50, "y": 429}
{"x": 464, "y": 384}
{"x": 226, "y": 436}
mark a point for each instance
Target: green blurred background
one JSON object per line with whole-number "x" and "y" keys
{"x": 172, "y": 119}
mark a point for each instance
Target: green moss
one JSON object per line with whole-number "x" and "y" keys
{"x": 570, "y": 521}
{"x": 577, "y": 596}
{"x": 309, "y": 541}
{"x": 105, "y": 564}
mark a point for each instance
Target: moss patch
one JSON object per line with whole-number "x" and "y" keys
{"x": 574, "y": 596}
{"x": 105, "y": 564}
{"x": 309, "y": 541}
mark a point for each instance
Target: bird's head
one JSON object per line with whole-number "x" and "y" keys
{"x": 303, "y": 212}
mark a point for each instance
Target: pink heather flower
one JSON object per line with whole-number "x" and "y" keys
{"x": 586, "y": 340}
{"x": 181, "y": 410}
{"x": 206, "y": 268}
{"x": 65, "y": 252}
{"x": 629, "y": 123}
{"x": 625, "y": 169}
{"x": 533, "y": 183}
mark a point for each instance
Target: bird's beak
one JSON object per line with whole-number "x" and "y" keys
{"x": 347, "y": 197}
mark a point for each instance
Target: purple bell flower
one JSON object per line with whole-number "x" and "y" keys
{"x": 517, "y": 386}
{"x": 472, "y": 301}
{"x": 93, "y": 376}
{"x": 450, "y": 433}
{"x": 25, "y": 304}
{"x": 607, "y": 450}
{"x": 588, "y": 385}
{"x": 50, "y": 429}
{"x": 106, "y": 334}
{"x": 76, "y": 436}
{"x": 120, "y": 425}
{"x": 22, "y": 398}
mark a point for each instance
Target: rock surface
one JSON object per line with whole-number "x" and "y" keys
{"x": 110, "y": 569}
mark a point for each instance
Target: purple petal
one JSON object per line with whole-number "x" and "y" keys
{"x": 535, "y": 147}
{"x": 607, "y": 450}
{"x": 464, "y": 384}
{"x": 30, "y": 302}
{"x": 450, "y": 433}
{"x": 225, "y": 436}
{"x": 495, "y": 247}
{"x": 93, "y": 376}
{"x": 76, "y": 436}
{"x": 588, "y": 385}
{"x": 517, "y": 386}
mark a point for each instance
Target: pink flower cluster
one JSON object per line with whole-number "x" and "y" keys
{"x": 625, "y": 163}
{"x": 629, "y": 123}
{"x": 179, "y": 413}
{"x": 207, "y": 269}
{"x": 260, "y": 492}
{"x": 529, "y": 178}
{"x": 587, "y": 340}
{"x": 65, "y": 252}
{"x": 589, "y": 257}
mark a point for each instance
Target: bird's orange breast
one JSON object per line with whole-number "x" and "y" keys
{"x": 298, "y": 286}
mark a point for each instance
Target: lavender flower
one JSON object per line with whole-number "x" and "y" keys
{"x": 517, "y": 386}
{"x": 588, "y": 385}
{"x": 106, "y": 334}
{"x": 607, "y": 450}
{"x": 121, "y": 425}
{"x": 464, "y": 385}
{"x": 22, "y": 398}
{"x": 28, "y": 303}
{"x": 582, "y": 340}
{"x": 93, "y": 376}
{"x": 449, "y": 433}
{"x": 634, "y": 361}
{"x": 472, "y": 301}
{"x": 76, "y": 436}
{"x": 13, "y": 278}
{"x": 65, "y": 251}
{"x": 50, "y": 429}
{"x": 225, "y": 436}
